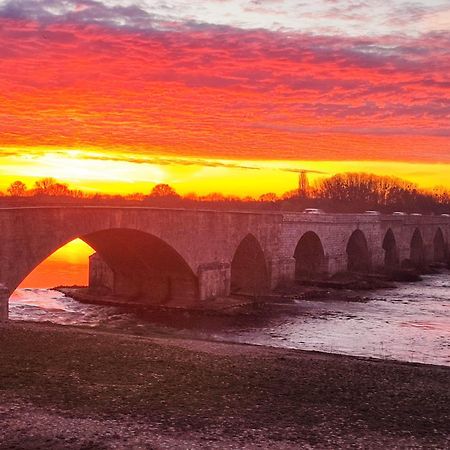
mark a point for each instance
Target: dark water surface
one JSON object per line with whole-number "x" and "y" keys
{"x": 410, "y": 322}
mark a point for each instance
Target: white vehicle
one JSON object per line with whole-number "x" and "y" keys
{"x": 445, "y": 215}
{"x": 372, "y": 213}
{"x": 415, "y": 214}
{"x": 399, "y": 213}
{"x": 313, "y": 211}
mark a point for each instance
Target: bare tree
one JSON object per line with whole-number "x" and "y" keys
{"x": 268, "y": 197}
{"x": 49, "y": 186}
{"x": 163, "y": 190}
{"x": 17, "y": 189}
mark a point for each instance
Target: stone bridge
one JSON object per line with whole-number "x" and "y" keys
{"x": 180, "y": 257}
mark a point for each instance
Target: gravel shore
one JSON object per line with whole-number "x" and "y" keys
{"x": 63, "y": 387}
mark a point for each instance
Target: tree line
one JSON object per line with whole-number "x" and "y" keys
{"x": 363, "y": 191}
{"x": 345, "y": 192}
{"x": 43, "y": 187}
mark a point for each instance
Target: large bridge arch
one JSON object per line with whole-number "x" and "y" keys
{"x": 249, "y": 274}
{"x": 417, "y": 250}
{"x": 439, "y": 246}
{"x": 309, "y": 256}
{"x": 30, "y": 235}
{"x": 358, "y": 256}
{"x": 391, "y": 254}
{"x": 146, "y": 268}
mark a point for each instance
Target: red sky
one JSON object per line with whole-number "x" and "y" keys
{"x": 124, "y": 83}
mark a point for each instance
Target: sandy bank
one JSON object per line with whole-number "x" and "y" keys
{"x": 64, "y": 387}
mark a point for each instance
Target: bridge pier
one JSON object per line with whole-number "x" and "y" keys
{"x": 282, "y": 270}
{"x": 101, "y": 277}
{"x": 337, "y": 262}
{"x": 214, "y": 280}
{"x": 4, "y": 299}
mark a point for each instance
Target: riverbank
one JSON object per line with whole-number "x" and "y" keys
{"x": 64, "y": 387}
{"x": 343, "y": 286}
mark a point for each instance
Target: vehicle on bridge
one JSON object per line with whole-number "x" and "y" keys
{"x": 313, "y": 211}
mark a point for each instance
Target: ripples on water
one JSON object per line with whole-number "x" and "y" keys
{"x": 409, "y": 323}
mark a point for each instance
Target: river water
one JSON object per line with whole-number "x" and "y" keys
{"x": 409, "y": 323}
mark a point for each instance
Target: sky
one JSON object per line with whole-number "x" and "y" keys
{"x": 68, "y": 266}
{"x": 223, "y": 95}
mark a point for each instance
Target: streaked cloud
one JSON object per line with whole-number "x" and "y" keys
{"x": 207, "y": 84}
{"x": 125, "y": 173}
{"x": 224, "y": 92}
{"x": 343, "y": 17}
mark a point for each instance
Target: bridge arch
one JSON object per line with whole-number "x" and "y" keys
{"x": 439, "y": 246}
{"x": 391, "y": 256}
{"x": 145, "y": 267}
{"x": 358, "y": 257}
{"x": 309, "y": 256}
{"x": 249, "y": 274}
{"x": 417, "y": 250}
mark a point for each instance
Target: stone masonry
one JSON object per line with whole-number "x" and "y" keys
{"x": 181, "y": 257}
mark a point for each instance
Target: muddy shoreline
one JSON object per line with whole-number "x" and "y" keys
{"x": 66, "y": 387}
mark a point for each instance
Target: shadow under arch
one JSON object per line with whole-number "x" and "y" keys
{"x": 417, "y": 250}
{"x": 144, "y": 268}
{"x": 249, "y": 273}
{"x": 358, "y": 257}
{"x": 391, "y": 257}
{"x": 439, "y": 247}
{"x": 309, "y": 256}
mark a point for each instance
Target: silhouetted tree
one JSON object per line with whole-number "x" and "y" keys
{"x": 192, "y": 196}
{"x": 49, "y": 186}
{"x": 290, "y": 194}
{"x": 17, "y": 189}
{"x": 359, "y": 191}
{"x": 77, "y": 193}
{"x": 44, "y": 184}
{"x": 303, "y": 184}
{"x": 163, "y": 190}
{"x": 362, "y": 190}
{"x": 213, "y": 197}
{"x": 268, "y": 197}
{"x": 135, "y": 196}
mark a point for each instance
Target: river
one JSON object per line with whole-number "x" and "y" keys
{"x": 409, "y": 323}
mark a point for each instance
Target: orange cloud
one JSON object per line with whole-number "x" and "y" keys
{"x": 222, "y": 92}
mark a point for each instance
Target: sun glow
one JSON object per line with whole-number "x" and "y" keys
{"x": 126, "y": 173}
{"x": 68, "y": 266}
{"x": 83, "y": 170}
